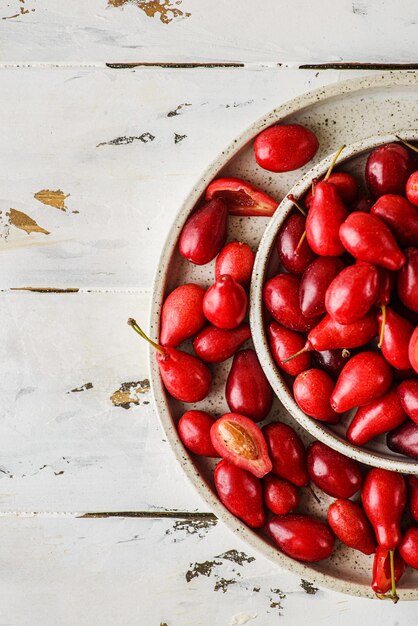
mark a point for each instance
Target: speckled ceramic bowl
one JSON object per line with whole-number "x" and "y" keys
{"x": 341, "y": 113}
{"x": 375, "y": 453}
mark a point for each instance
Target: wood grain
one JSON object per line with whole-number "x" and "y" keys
{"x": 131, "y": 144}
{"x": 122, "y": 31}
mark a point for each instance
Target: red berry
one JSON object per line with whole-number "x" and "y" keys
{"x": 237, "y": 260}
{"x": 285, "y": 147}
{"x": 194, "y": 431}
{"x": 225, "y": 303}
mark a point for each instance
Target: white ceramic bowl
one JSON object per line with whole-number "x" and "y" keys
{"x": 376, "y": 453}
{"x": 340, "y": 113}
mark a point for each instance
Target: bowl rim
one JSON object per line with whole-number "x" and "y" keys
{"x": 315, "y": 427}
{"x": 256, "y": 542}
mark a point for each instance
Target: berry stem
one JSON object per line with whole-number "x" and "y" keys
{"x": 407, "y": 144}
{"x": 292, "y": 198}
{"x": 302, "y": 351}
{"x": 141, "y": 333}
{"x": 333, "y": 162}
{"x": 301, "y": 240}
{"x": 382, "y": 326}
{"x": 394, "y": 595}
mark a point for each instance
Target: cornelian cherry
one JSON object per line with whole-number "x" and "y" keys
{"x": 237, "y": 260}
{"x": 225, "y": 303}
{"x": 285, "y": 147}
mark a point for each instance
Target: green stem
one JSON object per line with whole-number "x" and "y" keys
{"x": 292, "y": 198}
{"x": 301, "y": 240}
{"x": 333, "y": 162}
{"x": 406, "y": 143}
{"x": 382, "y": 326}
{"x": 141, "y": 333}
{"x": 289, "y": 358}
{"x": 394, "y": 595}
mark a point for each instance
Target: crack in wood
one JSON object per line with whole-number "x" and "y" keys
{"x": 82, "y": 388}
{"x": 151, "y": 515}
{"x": 169, "y": 65}
{"x": 358, "y": 66}
{"x": 124, "y": 140}
{"x": 46, "y": 289}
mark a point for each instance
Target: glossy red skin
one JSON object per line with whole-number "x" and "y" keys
{"x": 408, "y": 280}
{"x": 241, "y": 197}
{"x": 225, "y": 303}
{"x": 396, "y": 337}
{"x": 387, "y": 169}
{"x": 351, "y": 526}
{"x": 312, "y": 390}
{"x": 237, "y": 260}
{"x": 247, "y": 389}
{"x": 302, "y": 537}
{"x": 376, "y": 418}
{"x": 280, "y": 496}
{"x": 381, "y": 581}
{"x": 404, "y": 439}
{"x": 408, "y": 395}
{"x": 384, "y": 498}
{"x": 368, "y": 239}
{"x": 345, "y": 184}
{"x": 281, "y": 298}
{"x": 238, "y": 440}
{"x": 287, "y": 242}
{"x": 413, "y": 350}
{"x": 408, "y": 548}
{"x": 194, "y": 431}
{"x": 325, "y": 216}
{"x": 413, "y": 495}
{"x": 314, "y": 283}
{"x": 287, "y": 453}
{"x": 387, "y": 280}
{"x": 241, "y": 493}
{"x": 283, "y": 344}
{"x": 185, "y": 377}
{"x": 366, "y": 377}
{"x": 285, "y": 147}
{"x": 215, "y": 345}
{"x": 332, "y": 361}
{"x": 204, "y": 233}
{"x": 182, "y": 314}
{"x": 352, "y": 293}
{"x": 400, "y": 216}
{"x": 331, "y": 471}
{"x": 412, "y": 188}
{"x": 329, "y": 335}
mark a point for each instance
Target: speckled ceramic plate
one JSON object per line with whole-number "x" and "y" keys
{"x": 346, "y": 113}
{"x": 375, "y": 453}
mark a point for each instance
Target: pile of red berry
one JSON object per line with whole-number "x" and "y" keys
{"x": 345, "y": 305}
{"x": 336, "y": 263}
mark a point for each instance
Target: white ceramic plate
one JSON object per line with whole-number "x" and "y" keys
{"x": 375, "y": 453}
{"x": 342, "y": 113}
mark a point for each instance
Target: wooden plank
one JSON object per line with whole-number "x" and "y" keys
{"x": 135, "y": 572}
{"x": 186, "y": 31}
{"x": 78, "y": 430}
{"x": 110, "y": 156}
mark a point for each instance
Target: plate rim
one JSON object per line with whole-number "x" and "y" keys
{"x": 297, "y": 104}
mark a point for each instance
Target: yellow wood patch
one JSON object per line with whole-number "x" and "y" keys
{"x": 165, "y": 10}
{"x": 24, "y": 222}
{"x": 52, "y": 198}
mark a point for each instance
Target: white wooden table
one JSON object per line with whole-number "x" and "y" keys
{"x": 110, "y": 109}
